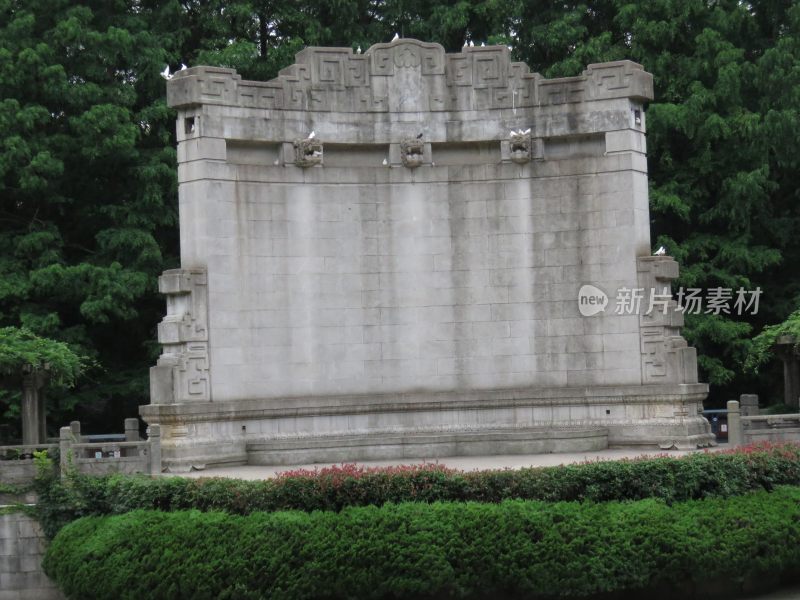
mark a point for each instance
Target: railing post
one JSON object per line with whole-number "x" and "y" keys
{"x": 154, "y": 437}
{"x": 31, "y": 418}
{"x": 748, "y": 404}
{"x": 735, "y": 430}
{"x": 64, "y": 441}
{"x": 75, "y": 428}
{"x": 132, "y": 430}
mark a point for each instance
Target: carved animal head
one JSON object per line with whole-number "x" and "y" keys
{"x": 308, "y": 152}
{"x": 412, "y": 152}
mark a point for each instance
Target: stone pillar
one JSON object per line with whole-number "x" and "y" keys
{"x": 154, "y": 436}
{"x": 785, "y": 346}
{"x": 42, "y": 417}
{"x": 32, "y": 408}
{"x": 735, "y": 432}
{"x": 748, "y": 404}
{"x": 64, "y": 443}
{"x": 132, "y": 430}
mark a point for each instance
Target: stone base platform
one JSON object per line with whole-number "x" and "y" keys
{"x": 287, "y": 431}
{"x": 427, "y": 445}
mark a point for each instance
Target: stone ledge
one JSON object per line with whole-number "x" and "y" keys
{"x": 427, "y": 445}
{"x": 417, "y": 401}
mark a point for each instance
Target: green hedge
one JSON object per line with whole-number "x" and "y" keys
{"x": 700, "y": 475}
{"x": 515, "y": 549}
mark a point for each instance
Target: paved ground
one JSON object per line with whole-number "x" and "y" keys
{"x": 465, "y": 463}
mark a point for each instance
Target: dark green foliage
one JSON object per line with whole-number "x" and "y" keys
{"x": 695, "y": 476}
{"x": 723, "y": 144}
{"x": 515, "y": 549}
{"x": 22, "y": 350}
{"x": 87, "y": 150}
{"x": 87, "y": 185}
{"x": 764, "y": 342}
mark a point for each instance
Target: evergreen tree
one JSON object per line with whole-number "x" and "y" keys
{"x": 88, "y": 174}
{"x": 87, "y": 186}
{"x": 723, "y": 143}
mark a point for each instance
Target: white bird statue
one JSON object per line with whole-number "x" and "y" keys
{"x": 466, "y": 43}
{"x": 483, "y": 45}
{"x": 660, "y": 252}
{"x": 385, "y": 162}
{"x": 396, "y": 37}
{"x": 471, "y": 44}
{"x": 358, "y": 50}
{"x": 183, "y": 67}
{"x": 166, "y": 74}
{"x": 312, "y": 135}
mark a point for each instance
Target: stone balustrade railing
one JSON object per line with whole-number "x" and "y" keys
{"x": 91, "y": 454}
{"x": 759, "y": 428}
{"x": 101, "y": 456}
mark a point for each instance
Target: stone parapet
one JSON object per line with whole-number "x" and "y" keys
{"x": 338, "y": 80}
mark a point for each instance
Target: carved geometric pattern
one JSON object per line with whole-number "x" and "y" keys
{"x": 490, "y": 68}
{"x": 458, "y": 70}
{"x": 561, "y": 91}
{"x": 615, "y": 77}
{"x": 192, "y": 373}
{"x": 382, "y": 63}
{"x": 357, "y": 74}
{"x": 664, "y": 351}
{"x": 329, "y": 70}
{"x": 213, "y": 86}
{"x": 336, "y": 79}
{"x": 184, "y": 333}
{"x": 432, "y": 62}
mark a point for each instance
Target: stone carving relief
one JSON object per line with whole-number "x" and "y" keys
{"x": 666, "y": 356}
{"x": 520, "y": 147}
{"x": 182, "y": 371}
{"x": 336, "y": 79}
{"x": 412, "y": 152}
{"x": 308, "y": 152}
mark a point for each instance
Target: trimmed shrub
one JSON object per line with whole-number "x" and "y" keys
{"x": 515, "y": 549}
{"x": 700, "y": 475}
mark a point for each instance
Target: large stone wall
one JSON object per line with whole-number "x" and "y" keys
{"x": 412, "y": 270}
{"x": 22, "y": 547}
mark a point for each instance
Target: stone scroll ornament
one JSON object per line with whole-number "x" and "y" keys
{"x": 308, "y": 152}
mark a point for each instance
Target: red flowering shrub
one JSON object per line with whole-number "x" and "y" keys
{"x": 699, "y": 475}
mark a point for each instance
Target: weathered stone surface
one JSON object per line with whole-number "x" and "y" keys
{"x": 22, "y": 547}
{"x": 420, "y": 278}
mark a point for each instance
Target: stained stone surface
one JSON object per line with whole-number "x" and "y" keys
{"x": 404, "y": 282}
{"x": 22, "y": 548}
